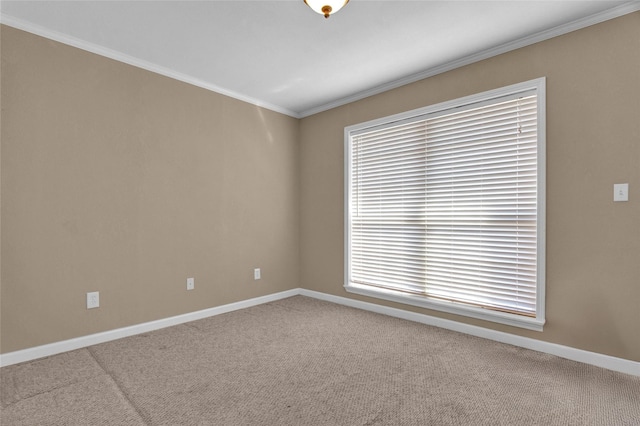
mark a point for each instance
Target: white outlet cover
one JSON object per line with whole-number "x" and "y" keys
{"x": 93, "y": 300}
{"x": 620, "y": 192}
{"x": 191, "y": 283}
{"x": 256, "y": 274}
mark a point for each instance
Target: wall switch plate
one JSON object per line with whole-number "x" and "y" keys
{"x": 620, "y": 192}
{"x": 256, "y": 274}
{"x": 191, "y": 283}
{"x": 93, "y": 300}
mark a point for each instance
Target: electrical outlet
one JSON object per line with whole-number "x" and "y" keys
{"x": 93, "y": 300}
{"x": 256, "y": 274}
{"x": 191, "y": 283}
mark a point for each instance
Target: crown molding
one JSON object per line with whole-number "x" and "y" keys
{"x": 616, "y": 12}
{"x": 621, "y": 10}
{"x": 136, "y": 62}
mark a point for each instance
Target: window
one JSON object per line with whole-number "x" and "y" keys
{"x": 445, "y": 206}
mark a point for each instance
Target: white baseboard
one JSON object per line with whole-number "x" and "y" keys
{"x": 586, "y": 357}
{"x": 30, "y": 354}
{"x": 592, "y": 358}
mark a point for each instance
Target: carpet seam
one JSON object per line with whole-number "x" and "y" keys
{"x": 44, "y": 392}
{"x": 140, "y": 413}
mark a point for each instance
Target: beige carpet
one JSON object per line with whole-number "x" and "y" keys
{"x": 301, "y": 361}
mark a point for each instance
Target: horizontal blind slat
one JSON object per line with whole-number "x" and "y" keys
{"x": 446, "y": 206}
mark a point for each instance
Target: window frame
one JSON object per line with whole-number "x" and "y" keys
{"x": 532, "y": 323}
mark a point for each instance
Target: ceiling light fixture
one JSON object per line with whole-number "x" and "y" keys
{"x": 326, "y": 7}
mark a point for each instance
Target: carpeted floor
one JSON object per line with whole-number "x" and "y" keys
{"x": 300, "y": 361}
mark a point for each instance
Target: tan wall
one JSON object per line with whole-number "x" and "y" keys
{"x": 593, "y": 141}
{"x": 0, "y": 196}
{"x": 118, "y": 180}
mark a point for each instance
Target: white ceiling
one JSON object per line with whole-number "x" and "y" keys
{"x": 283, "y": 56}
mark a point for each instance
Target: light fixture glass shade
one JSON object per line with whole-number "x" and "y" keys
{"x": 326, "y": 7}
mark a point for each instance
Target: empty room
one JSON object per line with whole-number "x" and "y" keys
{"x": 320, "y": 212}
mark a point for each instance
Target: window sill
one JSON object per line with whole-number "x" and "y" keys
{"x": 535, "y": 324}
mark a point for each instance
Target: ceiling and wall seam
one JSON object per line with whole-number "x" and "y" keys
{"x": 485, "y": 54}
{"x": 575, "y": 25}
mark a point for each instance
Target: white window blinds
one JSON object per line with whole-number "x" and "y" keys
{"x": 444, "y": 205}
